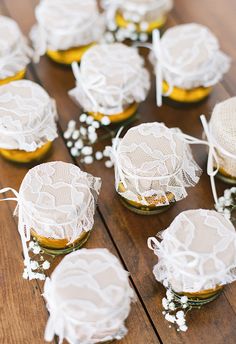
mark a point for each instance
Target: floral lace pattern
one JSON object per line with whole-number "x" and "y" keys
{"x": 189, "y": 56}
{"x": 63, "y": 25}
{"x": 153, "y": 161}
{"x": 27, "y": 116}
{"x": 15, "y": 53}
{"x": 222, "y": 127}
{"x": 110, "y": 87}
{"x": 58, "y": 200}
{"x": 88, "y": 297}
{"x": 188, "y": 263}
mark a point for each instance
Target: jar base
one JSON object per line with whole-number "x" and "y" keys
{"x": 66, "y": 250}
{"x": 66, "y": 57}
{"x": 226, "y": 179}
{"x": 116, "y": 118}
{"x": 200, "y": 299}
{"x": 145, "y": 210}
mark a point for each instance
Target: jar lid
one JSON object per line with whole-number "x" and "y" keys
{"x": 88, "y": 297}
{"x": 27, "y": 116}
{"x": 197, "y": 252}
{"x": 189, "y": 56}
{"x": 109, "y": 87}
{"x": 58, "y": 200}
{"x": 15, "y": 54}
{"x": 153, "y": 163}
{"x": 62, "y": 25}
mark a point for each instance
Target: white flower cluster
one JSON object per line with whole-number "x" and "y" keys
{"x": 174, "y": 309}
{"x": 80, "y": 141}
{"x": 227, "y": 203}
{"x": 37, "y": 266}
{"x": 115, "y": 34}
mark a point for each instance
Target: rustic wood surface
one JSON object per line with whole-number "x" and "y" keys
{"x": 23, "y": 314}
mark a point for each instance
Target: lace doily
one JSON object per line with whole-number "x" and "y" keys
{"x": 15, "y": 53}
{"x": 153, "y": 163}
{"x": 188, "y": 56}
{"x": 197, "y": 252}
{"x": 222, "y": 127}
{"x": 27, "y": 116}
{"x": 62, "y": 25}
{"x": 110, "y": 87}
{"x": 88, "y": 297}
{"x": 139, "y": 10}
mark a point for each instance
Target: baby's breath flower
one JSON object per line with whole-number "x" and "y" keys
{"x": 183, "y": 328}
{"x": 170, "y": 318}
{"x": 34, "y": 265}
{"x": 184, "y": 299}
{"x": 46, "y": 265}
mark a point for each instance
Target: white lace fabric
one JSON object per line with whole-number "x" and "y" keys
{"x": 188, "y": 56}
{"x": 140, "y": 10}
{"x": 197, "y": 252}
{"x": 59, "y": 200}
{"x": 153, "y": 161}
{"x": 88, "y": 297}
{"x": 222, "y": 127}
{"x": 15, "y": 54}
{"x": 62, "y": 25}
{"x": 27, "y": 116}
{"x": 110, "y": 87}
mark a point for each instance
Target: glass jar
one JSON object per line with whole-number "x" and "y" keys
{"x": 201, "y": 298}
{"x": 28, "y": 120}
{"x": 66, "y": 30}
{"x": 112, "y": 89}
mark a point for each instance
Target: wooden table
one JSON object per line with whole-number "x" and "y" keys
{"x": 23, "y": 313}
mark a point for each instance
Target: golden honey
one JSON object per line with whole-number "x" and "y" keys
{"x": 154, "y": 206}
{"x": 59, "y": 246}
{"x": 21, "y": 156}
{"x": 119, "y": 117}
{"x": 187, "y": 96}
{"x": 18, "y": 76}
{"x": 157, "y": 24}
{"x": 68, "y": 56}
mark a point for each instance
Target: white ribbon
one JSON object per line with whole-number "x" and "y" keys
{"x": 23, "y": 230}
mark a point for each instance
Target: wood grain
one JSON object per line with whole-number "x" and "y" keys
{"x": 126, "y": 233}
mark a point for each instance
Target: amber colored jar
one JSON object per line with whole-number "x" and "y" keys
{"x": 119, "y": 117}
{"x": 59, "y": 246}
{"x": 66, "y": 57}
{"x": 202, "y": 297}
{"x": 183, "y": 96}
{"x": 23, "y": 157}
{"x": 225, "y": 177}
{"x": 154, "y": 205}
{"x": 18, "y": 76}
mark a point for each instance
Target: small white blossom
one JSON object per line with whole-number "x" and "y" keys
{"x": 36, "y": 249}
{"x": 87, "y": 150}
{"x": 180, "y": 322}
{"x": 34, "y": 265}
{"x": 25, "y": 274}
{"x": 83, "y": 117}
{"x": 98, "y": 155}
{"x": 170, "y": 318}
{"x": 180, "y": 314}
{"x": 40, "y": 276}
{"x": 91, "y": 129}
{"x": 131, "y": 27}
{"x": 79, "y": 144}
{"x": 46, "y": 265}
{"x": 92, "y": 137}
{"x": 105, "y": 120}
{"x": 74, "y": 152}
{"x": 71, "y": 124}
{"x": 31, "y": 244}
{"x": 227, "y": 194}
{"x": 67, "y": 134}
{"x": 172, "y": 306}
{"x": 143, "y": 37}
{"x": 183, "y": 328}
{"x": 109, "y": 37}
{"x": 165, "y": 303}
{"x": 106, "y": 152}
{"x": 75, "y": 135}
{"x": 184, "y": 299}
{"x": 144, "y": 26}
{"x": 83, "y": 131}
{"x": 108, "y": 164}
{"x": 165, "y": 283}
{"x": 89, "y": 120}
{"x": 169, "y": 295}
{"x": 69, "y": 144}
{"x": 96, "y": 124}
{"x": 88, "y": 159}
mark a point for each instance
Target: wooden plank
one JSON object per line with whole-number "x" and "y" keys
{"x": 130, "y": 231}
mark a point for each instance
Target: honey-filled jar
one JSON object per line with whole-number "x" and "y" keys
{"x": 153, "y": 168}
{"x": 88, "y": 297}
{"x": 15, "y": 53}
{"x": 110, "y": 82}
{"x": 196, "y": 258}
{"x": 27, "y": 122}
{"x": 188, "y": 63}
{"x": 66, "y": 29}
{"x": 139, "y": 16}
{"x": 222, "y": 131}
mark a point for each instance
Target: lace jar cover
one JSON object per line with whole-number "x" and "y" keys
{"x": 27, "y": 116}
{"x": 88, "y": 297}
{"x": 110, "y": 77}
{"x": 187, "y": 56}
{"x": 154, "y": 161}
{"x": 197, "y": 252}
{"x": 62, "y": 25}
{"x": 222, "y": 128}
{"x": 139, "y": 10}
{"x": 57, "y": 200}
{"x": 15, "y": 53}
